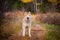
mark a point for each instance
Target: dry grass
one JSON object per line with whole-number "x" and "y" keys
{"x": 12, "y": 29}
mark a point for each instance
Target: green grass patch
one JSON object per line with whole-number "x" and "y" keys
{"x": 53, "y": 32}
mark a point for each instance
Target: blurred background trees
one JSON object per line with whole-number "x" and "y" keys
{"x": 47, "y": 5}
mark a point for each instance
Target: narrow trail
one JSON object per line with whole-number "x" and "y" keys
{"x": 37, "y": 34}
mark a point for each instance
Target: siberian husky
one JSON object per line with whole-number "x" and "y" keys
{"x": 26, "y": 22}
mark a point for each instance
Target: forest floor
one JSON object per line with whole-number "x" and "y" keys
{"x": 37, "y": 33}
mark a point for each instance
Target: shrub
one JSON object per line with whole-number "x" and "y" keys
{"x": 49, "y": 18}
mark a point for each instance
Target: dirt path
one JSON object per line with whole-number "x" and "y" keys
{"x": 36, "y": 34}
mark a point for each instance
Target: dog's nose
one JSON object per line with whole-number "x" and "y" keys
{"x": 27, "y": 17}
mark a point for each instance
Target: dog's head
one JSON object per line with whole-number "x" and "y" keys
{"x": 27, "y": 15}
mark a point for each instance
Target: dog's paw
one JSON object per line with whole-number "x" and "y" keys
{"x": 29, "y": 35}
{"x": 23, "y": 35}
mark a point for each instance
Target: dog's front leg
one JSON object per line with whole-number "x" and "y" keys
{"x": 23, "y": 30}
{"x": 29, "y": 31}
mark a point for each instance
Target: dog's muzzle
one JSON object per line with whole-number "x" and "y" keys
{"x": 27, "y": 17}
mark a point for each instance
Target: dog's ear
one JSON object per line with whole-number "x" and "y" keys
{"x": 25, "y": 13}
{"x": 29, "y": 13}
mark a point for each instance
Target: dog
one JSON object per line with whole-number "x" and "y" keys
{"x": 26, "y": 22}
